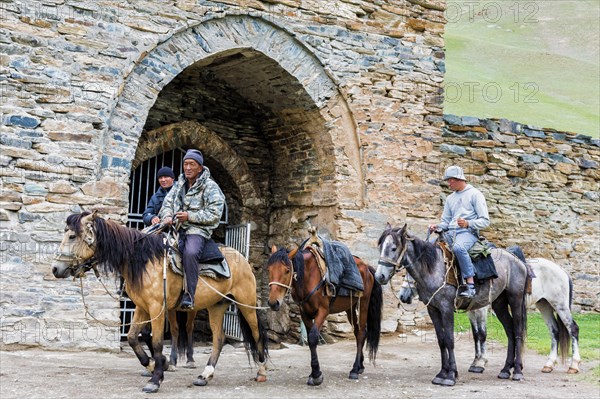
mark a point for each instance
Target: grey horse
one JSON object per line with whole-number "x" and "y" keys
{"x": 424, "y": 261}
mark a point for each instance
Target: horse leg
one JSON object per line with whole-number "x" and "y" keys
{"x": 573, "y": 332}
{"x": 500, "y": 306}
{"x": 443, "y": 321}
{"x": 174, "y": 329}
{"x": 189, "y": 329}
{"x": 160, "y": 361}
{"x": 548, "y": 316}
{"x": 147, "y": 339}
{"x": 518, "y": 314}
{"x": 216, "y": 313}
{"x": 133, "y": 339}
{"x": 314, "y": 330}
{"x": 576, "y": 358}
{"x": 478, "y": 319}
{"x": 360, "y": 327}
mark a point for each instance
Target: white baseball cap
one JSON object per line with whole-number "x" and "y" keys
{"x": 454, "y": 172}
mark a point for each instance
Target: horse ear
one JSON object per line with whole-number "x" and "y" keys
{"x": 403, "y": 231}
{"x": 88, "y": 218}
{"x": 388, "y": 226}
{"x": 293, "y": 253}
{"x": 94, "y": 214}
{"x": 273, "y": 249}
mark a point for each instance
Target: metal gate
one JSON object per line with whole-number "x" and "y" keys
{"x": 237, "y": 237}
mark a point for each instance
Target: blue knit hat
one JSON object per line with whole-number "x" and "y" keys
{"x": 196, "y": 155}
{"x": 165, "y": 171}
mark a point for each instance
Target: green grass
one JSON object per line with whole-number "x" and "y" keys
{"x": 538, "y": 337}
{"x": 538, "y": 60}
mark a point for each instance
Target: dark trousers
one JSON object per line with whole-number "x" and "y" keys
{"x": 193, "y": 246}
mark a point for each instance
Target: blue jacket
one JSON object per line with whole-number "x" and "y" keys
{"x": 154, "y": 205}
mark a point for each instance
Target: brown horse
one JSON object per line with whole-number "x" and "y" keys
{"x": 298, "y": 272}
{"x": 155, "y": 289}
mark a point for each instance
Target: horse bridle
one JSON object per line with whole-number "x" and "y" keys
{"x": 77, "y": 267}
{"x": 396, "y": 265}
{"x": 289, "y": 286}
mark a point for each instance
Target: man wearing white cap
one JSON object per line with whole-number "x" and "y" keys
{"x": 465, "y": 213}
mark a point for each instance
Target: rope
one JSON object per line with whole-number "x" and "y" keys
{"x": 231, "y": 299}
{"x": 87, "y": 312}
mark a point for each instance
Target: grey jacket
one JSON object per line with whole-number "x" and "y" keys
{"x": 468, "y": 204}
{"x": 203, "y": 202}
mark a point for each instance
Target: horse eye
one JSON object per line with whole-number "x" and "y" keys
{"x": 394, "y": 249}
{"x": 72, "y": 237}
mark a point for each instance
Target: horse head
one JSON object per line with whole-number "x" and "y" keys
{"x": 408, "y": 290}
{"x": 392, "y": 247}
{"x": 281, "y": 274}
{"x": 77, "y": 247}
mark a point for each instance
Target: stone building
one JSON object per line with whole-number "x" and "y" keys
{"x": 307, "y": 112}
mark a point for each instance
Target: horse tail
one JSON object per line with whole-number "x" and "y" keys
{"x": 249, "y": 343}
{"x": 182, "y": 337}
{"x": 564, "y": 336}
{"x": 524, "y": 307}
{"x": 374, "y": 317}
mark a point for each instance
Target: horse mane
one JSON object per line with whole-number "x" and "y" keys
{"x": 425, "y": 251}
{"x": 120, "y": 249}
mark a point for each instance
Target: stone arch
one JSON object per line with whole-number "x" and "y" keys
{"x": 201, "y": 44}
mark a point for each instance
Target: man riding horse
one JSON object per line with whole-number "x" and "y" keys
{"x": 465, "y": 213}
{"x": 196, "y": 202}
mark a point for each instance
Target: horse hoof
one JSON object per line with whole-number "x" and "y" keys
{"x": 353, "y": 376}
{"x": 151, "y": 388}
{"x": 504, "y": 375}
{"x": 260, "y": 378}
{"x": 572, "y": 370}
{"x": 517, "y": 377}
{"x": 476, "y": 369}
{"x": 547, "y": 369}
{"x": 443, "y": 381}
{"x": 200, "y": 382}
{"x": 190, "y": 365}
{"x": 171, "y": 368}
{"x": 361, "y": 370}
{"x": 146, "y": 373}
{"x": 314, "y": 381}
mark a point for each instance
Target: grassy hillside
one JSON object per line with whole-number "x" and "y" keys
{"x": 535, "y": 62}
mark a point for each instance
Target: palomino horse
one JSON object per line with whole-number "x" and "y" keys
{"x": 140, "y": 260}
{"x": 297, "y": 272}
{"x": 551, "y": 293}
{"x": 425, "y": 263}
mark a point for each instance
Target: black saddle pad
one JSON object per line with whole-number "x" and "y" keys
{"x": 485, "y": 268}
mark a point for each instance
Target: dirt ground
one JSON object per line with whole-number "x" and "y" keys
{"x": 405, "y": 367}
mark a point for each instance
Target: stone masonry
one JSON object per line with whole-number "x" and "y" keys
{"x": 307, "y": 112}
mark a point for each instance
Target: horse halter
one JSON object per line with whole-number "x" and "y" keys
{"x": 76, "y": 265}
{"x": 287, "y": 287}
{"x": 395, "y": 264}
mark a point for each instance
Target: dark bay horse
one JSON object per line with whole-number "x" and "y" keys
{"x": 552, "y": 295}
{"x": 298, "y": 273}
{"x": 425, "y": 263}
{"x": 140, "y": 260}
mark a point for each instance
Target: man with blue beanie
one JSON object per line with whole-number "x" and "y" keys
{"x": 465, "y": 213}
{"x": 166, "y": 178}
{"x": 196, "y": 203}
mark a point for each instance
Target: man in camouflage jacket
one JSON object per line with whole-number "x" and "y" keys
{"x": 196, "y": 203}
